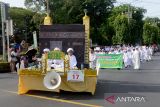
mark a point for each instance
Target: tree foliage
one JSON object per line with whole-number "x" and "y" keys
{"x": 109, "y": 24}
{"x": 151, "y": 31}
{"x": 127, "y": 30}
{"x": 121, "y": 29}
{"x": 72, "y": 11}
{"x": 25, "y": 22}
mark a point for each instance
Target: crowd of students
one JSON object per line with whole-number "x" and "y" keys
{"x": 132, "y": 55}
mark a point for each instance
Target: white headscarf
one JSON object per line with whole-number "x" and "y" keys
{"x": 56, "y": 49}
{"x": 46, "y": 50}
{"x": 70, "y": 49}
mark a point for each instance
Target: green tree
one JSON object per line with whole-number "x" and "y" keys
{"x": 71, "y": 11}
{"x": 121, "y": 29}
{"x": 25, "y": 22}
{"x": 151, "y": 31}
{"x": 135, "y": 24}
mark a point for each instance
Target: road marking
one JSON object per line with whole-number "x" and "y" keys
{"x": 64, "y": 101}
{"x": 54, "y": 99}
{"x": 9, "y": 91}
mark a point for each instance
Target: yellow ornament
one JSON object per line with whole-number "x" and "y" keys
{"x": 47, "y": 20}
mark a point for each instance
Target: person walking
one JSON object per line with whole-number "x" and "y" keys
{"x": 13, "y": 61}
{"x": 136, "y": 59}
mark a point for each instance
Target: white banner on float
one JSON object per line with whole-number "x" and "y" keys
{"x": 35, "y": 39}
{"x": 75, "y": 76}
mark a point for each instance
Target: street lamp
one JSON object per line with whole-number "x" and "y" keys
{"x": 85, "y": 11}
{"x": 47, "y": 2}
{"x": 4, "y": 17}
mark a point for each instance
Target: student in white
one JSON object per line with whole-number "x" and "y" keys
{"x": 136, "y": 59}
{"x": 129, "y": 53}
{"x": 141, "y": 50}
{"x": 72, "y": 59}
{"x": 44, "y": 56}
{"x": 92, "y": 59}
{"x": 146, "y": 54}
{"x": 125, "y": 58}
{"x": 149, "y": 54}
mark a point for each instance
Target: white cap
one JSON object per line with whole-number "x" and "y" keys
{"x": 46, "y": 50}
{"x": 56, "y": 49}
{"x": 70, "y": 49}
{"x": 97, "y": 49}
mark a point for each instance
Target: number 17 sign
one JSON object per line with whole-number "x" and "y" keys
{"x": 75, "y": 76}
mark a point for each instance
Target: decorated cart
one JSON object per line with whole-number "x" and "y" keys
{"x": 49, "y": 78}
{"x": 46, "y": 78}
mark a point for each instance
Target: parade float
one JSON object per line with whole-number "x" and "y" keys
{"x": 74, "y": 80}
{"x": 44, "y": 78}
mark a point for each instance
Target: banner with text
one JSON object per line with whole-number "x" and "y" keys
{"x": 109, "y": 60}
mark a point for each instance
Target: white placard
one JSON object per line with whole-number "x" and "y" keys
{"x": 75, "y": 76}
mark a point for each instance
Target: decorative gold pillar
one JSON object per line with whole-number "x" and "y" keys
{"x": 47, "y": 20}
{"x": 86, "y": 23}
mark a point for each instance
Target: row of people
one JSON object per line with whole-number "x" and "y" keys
{"x": 15, "y": 51}
{"x": 31, "y": 61}
{"x": 132, "y": 56}
{"x": 57, "y": 63}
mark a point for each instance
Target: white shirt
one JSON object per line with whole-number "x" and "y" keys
{"x": 13, "y": 56}
{"x": 72, "y": 61}
{"x": 92, "y": 57}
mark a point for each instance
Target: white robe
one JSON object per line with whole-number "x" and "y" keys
{"x": 136, "y": 59}
{"x": 129, "y": 53}
{"x": 141, "y": 55}
{"x": 150, "y": 53}
{"x": 151, "y": 50}
{"x": 92, "y": 59}
{"x": 72, "y": 62}
{"x": 125, "y": 59}
{"x": 146, "y": 54}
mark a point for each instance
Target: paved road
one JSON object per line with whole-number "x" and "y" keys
{"x": 146, "y": 80}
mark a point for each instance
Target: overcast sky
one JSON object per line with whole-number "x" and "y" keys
{"x": 152, "y": 6}
{"x": 17, "y": 3}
